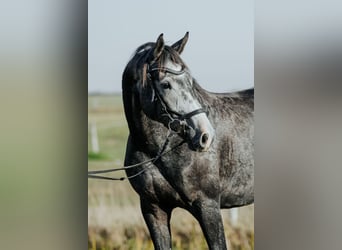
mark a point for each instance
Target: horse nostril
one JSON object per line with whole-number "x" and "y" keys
{"x": 204, "y": 139}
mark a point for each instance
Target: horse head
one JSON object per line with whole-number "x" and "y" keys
{"x": 167, "y": 93}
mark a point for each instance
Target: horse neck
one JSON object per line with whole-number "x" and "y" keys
{"x": 146, "y": 133}
{"x": 243, "y": 98}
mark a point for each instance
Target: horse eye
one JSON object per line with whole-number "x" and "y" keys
{"x": 165, "y": 85}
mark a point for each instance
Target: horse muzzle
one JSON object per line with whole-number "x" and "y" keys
{"x": 200, "y": 140}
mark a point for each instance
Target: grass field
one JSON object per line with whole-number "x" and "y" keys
{"x": 114, "y": 218}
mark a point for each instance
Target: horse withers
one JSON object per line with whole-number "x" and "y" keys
{"x": 202, "y": 143}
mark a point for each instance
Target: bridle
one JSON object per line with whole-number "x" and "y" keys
{"x": 177, "y": 121}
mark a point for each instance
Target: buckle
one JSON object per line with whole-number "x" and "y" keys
{"x": 177, "y": 125}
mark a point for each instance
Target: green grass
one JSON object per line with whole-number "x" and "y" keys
{"x": 107, "y": 112}
{"x": 97, "y": 156}
{"x": 114, "y": 217}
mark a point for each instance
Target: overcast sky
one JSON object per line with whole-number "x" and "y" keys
{"x": 219, "y": 52}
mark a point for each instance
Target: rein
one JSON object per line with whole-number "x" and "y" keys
{"x": 93, "y": 174}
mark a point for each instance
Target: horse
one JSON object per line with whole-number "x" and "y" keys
{"x": 191, "y": 148}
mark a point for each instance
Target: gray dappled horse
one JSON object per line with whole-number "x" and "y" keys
{"x": 201, "y": 143}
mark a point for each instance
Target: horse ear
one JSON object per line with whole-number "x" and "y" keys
{"x": 159, "y": 46}
{"x": 179, "y": 46}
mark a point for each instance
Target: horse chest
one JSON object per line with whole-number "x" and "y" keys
{"x": 175, "y": 186}
{"x": 157, "y": 188}
{"x": 193, "y": 180}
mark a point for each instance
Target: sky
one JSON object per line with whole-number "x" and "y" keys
{"x": 219, "y": 52}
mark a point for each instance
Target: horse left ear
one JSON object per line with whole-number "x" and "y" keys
{"x": 179, "y": 46}
{"x": 159, "y": 47}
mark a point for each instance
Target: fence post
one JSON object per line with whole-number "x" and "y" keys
{"x": 234, "y": 215}
{"x": 94, "y": 139}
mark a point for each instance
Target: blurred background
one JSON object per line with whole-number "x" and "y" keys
{"x": 43, "y": 106}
